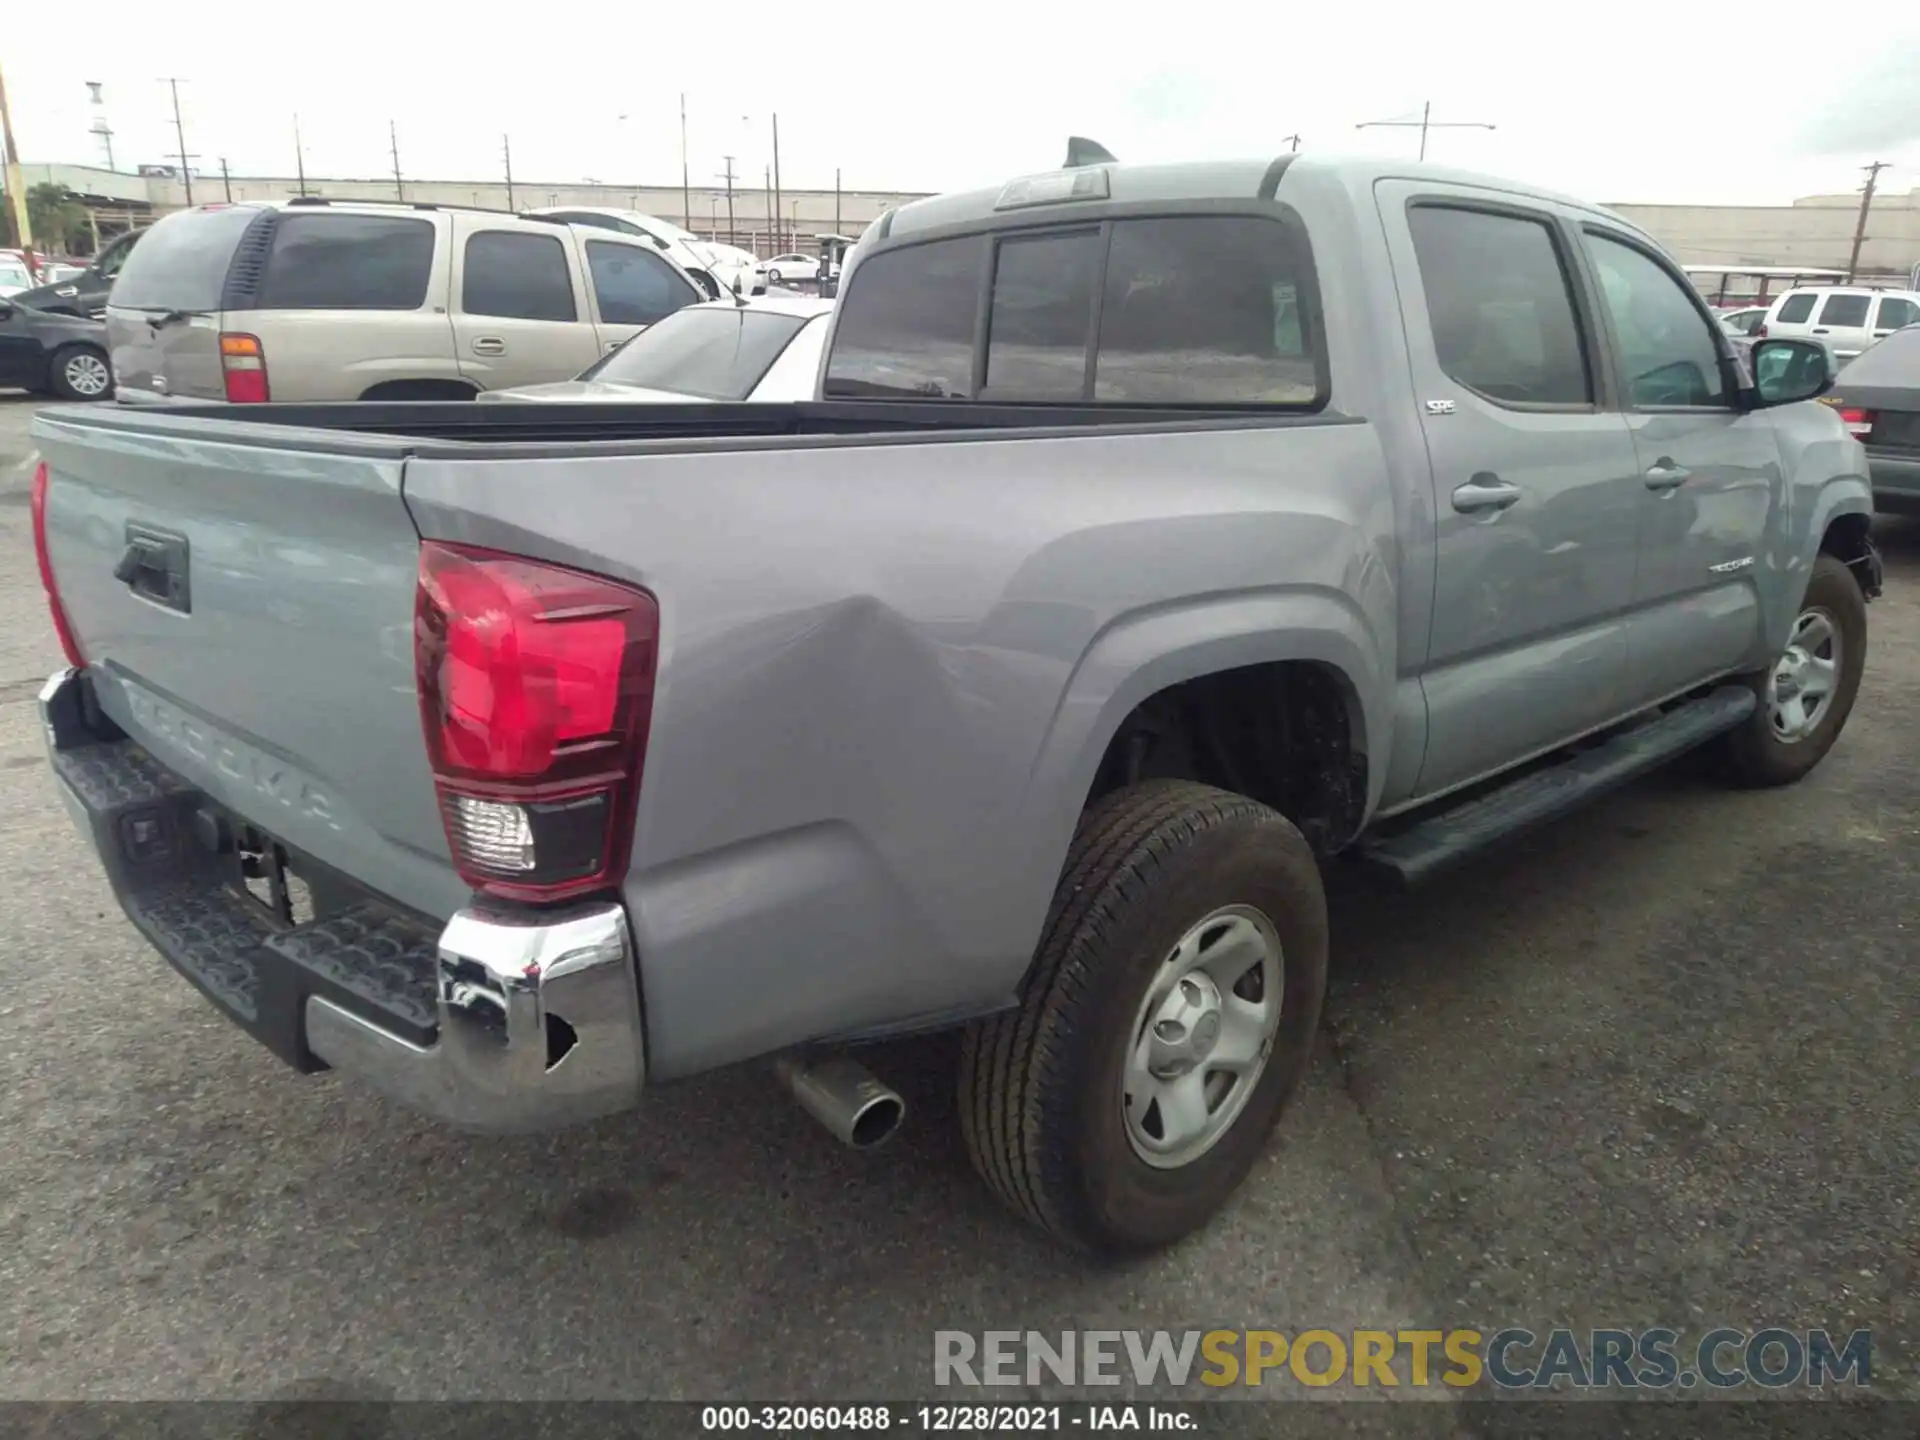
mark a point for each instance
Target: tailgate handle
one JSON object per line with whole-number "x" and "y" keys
{"x": 154, "y": 567}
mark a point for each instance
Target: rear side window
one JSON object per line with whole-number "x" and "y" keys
{"x": 1205, "y": 310}
{"x": 1500, "y": 306}
{"x": 1795, "y": 309}
{"x": 633, "y": 287}
{"x": 348, "y": 262}
{"x": 1847, "y": 310}
{"x": 906, "y": 329}
{"x": 1041, "y": 315}
{"x": 181, "y": 263}
{"x": 517, "y": 277}
{"x": 1896, "y": 312}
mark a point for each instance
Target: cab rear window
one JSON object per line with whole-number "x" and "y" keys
{"x": 181, "y": 263}
{"x": 1176, "y": 310}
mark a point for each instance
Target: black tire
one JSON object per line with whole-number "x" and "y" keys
{"x": 1755, "y": 756}
{"x": 69, "y": 357}
{"x": 1040, "y": 1086}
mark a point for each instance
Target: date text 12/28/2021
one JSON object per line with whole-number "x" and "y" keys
{"x": 947, "y": 1419}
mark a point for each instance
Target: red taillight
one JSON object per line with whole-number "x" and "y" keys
{"x": 69, "y": 642}
{"x": 536, "y": 687}
{"x": 1858, "y": 422}
{"x": 243, "y": 364}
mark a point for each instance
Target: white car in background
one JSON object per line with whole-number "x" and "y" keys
{"x": 726, "y": 350}
{"x": 785, "y": 269}
{"x": 1846, "y": 318}
{"x": 715, "y": 273}
{"x": 13, "y": 277}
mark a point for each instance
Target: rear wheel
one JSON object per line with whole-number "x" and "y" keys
{"x": 1169, "y": 1016}
{"x": 1807, "y": 694}
{"x": 80, "y": 372}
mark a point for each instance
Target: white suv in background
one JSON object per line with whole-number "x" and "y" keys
{"x": 719, "y": 269}
{"x": 1849, "y": 318}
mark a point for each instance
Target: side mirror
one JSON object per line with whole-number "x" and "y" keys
{"x": 1788, "y": 371}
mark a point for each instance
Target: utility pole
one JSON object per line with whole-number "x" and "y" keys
{"x": 776, "y": 179}
{"x": 226, "y": 180}
{"x": 180, "y": 134}
{"x": 1293, "y": 141}
{"x": 16, "y": 182}
{"x": 686, "y": 185}
{"x": 393, "y": 138}
{"x": 836, "y": 199}
{"x": 1860, "y": 228}
{"x": 1425, "y": 123}
{"x": 773, "y": 216}
{"x": 299, "y": 156}
{"x": 506, "y": 155}
{"x": 728, "y": 172}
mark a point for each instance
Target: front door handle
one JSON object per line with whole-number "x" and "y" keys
{"x": 489, "y": 345}
{"x": 1663, "y": 474}
{"x": 1485, "y": 493}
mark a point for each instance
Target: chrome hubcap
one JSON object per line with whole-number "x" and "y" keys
{"x": 87, "y": 375}
{"x": 1202, "y": 1037}
{"x": 1803, "y": 680}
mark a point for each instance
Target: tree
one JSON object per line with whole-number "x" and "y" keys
{"x": 59, "y": 221}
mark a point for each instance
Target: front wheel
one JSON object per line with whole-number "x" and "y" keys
{"x": 1169, "y": 1015}
{"x": 80, "y": 372}
{"x": 1808, "y": 692}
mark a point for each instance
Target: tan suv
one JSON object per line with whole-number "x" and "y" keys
{"x": 312, "y": 299}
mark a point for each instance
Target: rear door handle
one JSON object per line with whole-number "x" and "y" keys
{"x": 1822, "y": 330}
{"x": 1663, "y": 474}
{"x": 489, "y": 345}
{"x": 1484, "y": 493}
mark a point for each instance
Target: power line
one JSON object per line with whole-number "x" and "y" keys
{"x": 180, "y": 134}
{"x": 1425, "y": 123}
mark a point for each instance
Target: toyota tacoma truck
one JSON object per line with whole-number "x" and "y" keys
{"x": 1158, "y": 538}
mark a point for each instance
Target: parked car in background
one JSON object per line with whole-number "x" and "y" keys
{"x": 321, "y": 300}
{"x": 84, "y": 293}
{"x": 785, "y": 269}
{"x": 1848, "y": 318}
{"x": 719, "y": 275}
{"x": 14, "y": 278}
{"x": 61, "y": 355}
{"x": 763, "y": 350}
{"x": 1743, "y": 322}
{"x": 1878, "y": 396}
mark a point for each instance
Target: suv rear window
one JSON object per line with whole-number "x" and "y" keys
{"x": 1193, "y": 310}
{"x": 181, "y": 263}
{"x": 1795, "y": 309}
{"x": 348, "y": 262}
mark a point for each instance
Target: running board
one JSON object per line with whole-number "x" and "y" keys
{"x": 1432, "y": 845}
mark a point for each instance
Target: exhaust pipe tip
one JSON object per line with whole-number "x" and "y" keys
{"x": 842, "y": 1094}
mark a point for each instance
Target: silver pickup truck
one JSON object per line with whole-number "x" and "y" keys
{"x": 1160, "y": 537}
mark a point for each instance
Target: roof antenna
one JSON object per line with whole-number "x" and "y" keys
{"x": 1082, "y": 152}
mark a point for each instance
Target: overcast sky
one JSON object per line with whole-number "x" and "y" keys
{"x": 1630, "y": 101}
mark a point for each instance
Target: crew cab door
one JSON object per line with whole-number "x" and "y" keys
{"x": 1535, "y": 480}
{"x": 1710, "y": 474}
{"x": 631, "y": 285}
{"x": 519, "y": 304}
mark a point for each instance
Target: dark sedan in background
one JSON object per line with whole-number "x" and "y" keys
{"x": 1878, "y": 396}
{"x": 63, "y": 355}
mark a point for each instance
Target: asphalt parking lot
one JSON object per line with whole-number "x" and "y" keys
{"x": 1659, "y": 1066}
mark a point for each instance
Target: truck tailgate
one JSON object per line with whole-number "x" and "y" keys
{"x": 246, "y": 611}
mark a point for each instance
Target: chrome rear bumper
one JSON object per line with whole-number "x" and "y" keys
{"x": 502, "y": 1021}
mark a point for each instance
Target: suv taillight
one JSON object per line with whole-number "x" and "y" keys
{"x": 69, "y": 642}
{"x": 1859, "y": 423}
{"x": 536, "y": 688}
{"x": 243, "y": 365}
